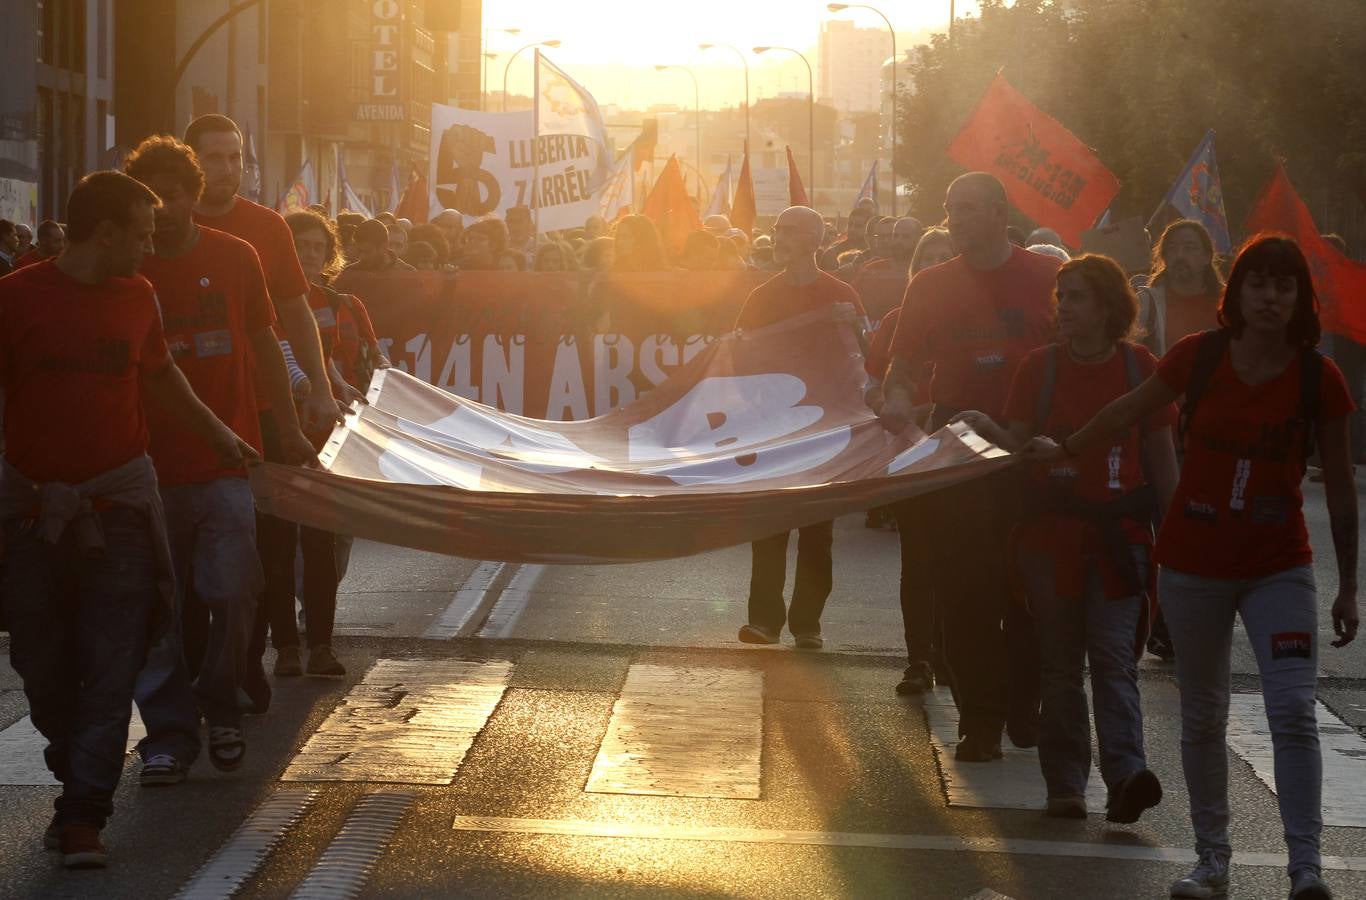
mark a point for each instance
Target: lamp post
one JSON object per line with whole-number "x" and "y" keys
{"x": 837, "y": 7}
{"x": 484, "y": 52}
{"x": 810, "y": 116}
{"x": 697, "y": 116}
{"x": 744, "y": 62}
{"x": 508, "y": 67}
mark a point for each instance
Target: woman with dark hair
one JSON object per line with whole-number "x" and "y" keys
{"x": 1258, "y": 396}
{"x": 1084, "y": 550}
{"x": 637, "y": 246}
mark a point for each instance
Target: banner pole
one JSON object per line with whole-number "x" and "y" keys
{"x": 537, "y": 200}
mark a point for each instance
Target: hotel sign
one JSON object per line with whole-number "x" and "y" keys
{"x": 384, "y": 101}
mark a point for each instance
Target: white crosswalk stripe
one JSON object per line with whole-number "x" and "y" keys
{"x": 410, "y": 721}
{"x": 21, "y": 751}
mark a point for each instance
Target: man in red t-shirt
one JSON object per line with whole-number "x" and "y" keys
{"x": 81, "y": 357}
{"x": 217, "y": 318}
{"x": 800, "y": 288}
{"x": 974, "y": 318}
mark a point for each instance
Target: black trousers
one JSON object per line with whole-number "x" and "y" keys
{"x": 989, "y": 641}
{"x": 918, "y": 618}
{"x": 815, "y": 577}
{"x": 276, "y": 541}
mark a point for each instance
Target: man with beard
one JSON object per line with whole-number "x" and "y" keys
{"x": 855, "y": 238}
{"x": 799, "y": 288}
{"x": 974, "y": 318}
{"x": 1182, "y": 297}
{"x": 217, "y": 318}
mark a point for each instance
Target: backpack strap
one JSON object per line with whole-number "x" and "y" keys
{"x": 1208, "y": 352}
{"x": 1047, "y": 386}
{"x": 1311, "y": 382}
{"x": 1135, "y": 378}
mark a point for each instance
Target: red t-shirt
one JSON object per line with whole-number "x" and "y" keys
{"x": 71, "y": 359}
{"x": 778, "y": 299}
{"x": 29, "y": 258}
{"x": 1237, "y": 512}
{"x": 321, "y": 305}
{"x": 975, "y": 327}
{"x": 1104, "y": 472}
{"x": 212, "y": 299}
{"x": 354, "y": 331}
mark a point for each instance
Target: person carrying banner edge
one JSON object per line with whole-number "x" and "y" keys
{"x": 88, "y": 578}
{"x": 1258, "y": 398}
{"x": 799, "y": 288}
{"x": 974, "y": 318}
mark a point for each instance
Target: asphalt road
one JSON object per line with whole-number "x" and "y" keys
{"x": 509, "y": 731}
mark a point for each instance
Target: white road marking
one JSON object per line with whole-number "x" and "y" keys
{"x": 21, "y": 751}
{"x": 345, "y": 866}
{"x": 683, "y": 732}
{"x": 243, "y": 853}
{"x": 410, "y": 721}
{"x": 1013, "y": 782}
{"x": 1344, "y": 757}
{"x": 511, "y": 603}
{"x": 934, "y": 842}
{"x": 465, "y": 603}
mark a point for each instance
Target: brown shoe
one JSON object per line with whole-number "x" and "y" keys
{"x": 287, "y": 664}
{"x": 322, "y": 662}
{"x": 81, "y": 847}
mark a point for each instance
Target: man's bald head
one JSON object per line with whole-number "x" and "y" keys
{"x": 797, "y": 235}
{"x": 803, "y": 218}
{"x": 983, "y": 187}
{"x": 977, "y": 212}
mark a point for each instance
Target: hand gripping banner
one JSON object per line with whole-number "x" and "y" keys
{"x": 761, "y": 432}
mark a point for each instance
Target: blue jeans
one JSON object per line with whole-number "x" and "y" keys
{"x": 1280, "y": 614}
{"x": 78, "y": 624}
{"x": 1072, "y": 632}
{"x": 201, "y": 664}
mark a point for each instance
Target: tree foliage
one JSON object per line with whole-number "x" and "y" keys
{"x": 1140, "y": 81}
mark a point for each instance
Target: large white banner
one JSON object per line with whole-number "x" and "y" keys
{"x": 485, "y": 163}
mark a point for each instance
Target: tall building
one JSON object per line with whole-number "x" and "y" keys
{"x": 850, "y": 62}
{"x": 310, "y": 80}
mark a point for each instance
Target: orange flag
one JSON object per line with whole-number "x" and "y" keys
{"x": 742, "y": 207}
{"x": 1339, "y": 281}
{"x": 671, "y": 209}
{"x": 796, "y": 193}
{"x": 1049, "y": 174}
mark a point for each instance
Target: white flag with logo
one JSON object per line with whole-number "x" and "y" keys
{"x": 564, "y": 107}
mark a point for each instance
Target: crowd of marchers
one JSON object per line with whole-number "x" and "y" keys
{"x": 1165, "y": 424}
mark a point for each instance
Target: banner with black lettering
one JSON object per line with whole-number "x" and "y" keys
{"x": 484, "y": 163}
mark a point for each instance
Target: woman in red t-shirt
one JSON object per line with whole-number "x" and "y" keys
{"x": 1084, "y": 553}
{"x": 1233, "y": 540}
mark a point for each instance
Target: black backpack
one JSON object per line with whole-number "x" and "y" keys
{"x": 1208, "y": 354}
{"x": 1050, "y": 381}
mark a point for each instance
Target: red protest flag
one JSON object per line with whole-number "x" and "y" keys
{"x": 415, "y": 204}
{"x": 742, "y": 207}
{"x": 1049, "y": 174}
{"x": 796, "y": 192}
{"x": 1340, "y": 282}
{"x": 671, "y": 209}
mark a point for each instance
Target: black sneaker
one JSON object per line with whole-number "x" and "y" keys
{"x": 1160, "y": 645}
{"x": 758, "y": 634}
{"x": 227, "y": 748}
{"x": 978, "y": 749}
{"x": 917, "y": 679}
{"x": 257, "y": 689}
{"x": 809, "y": 640}
{"x": 52, "y": 835}
{"x": 323, "y": 663}
{"x": 1308, "y": 884}
{"x": 1023, "y": 730}
{"x": 161, "y": 769}
{"x": 1138, "y": 791}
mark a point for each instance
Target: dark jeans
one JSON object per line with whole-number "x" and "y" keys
{"x": 78, "y": 624}
{"x": 276, "y": 541}
{"x": 989, "y": 641}
{"x": 917, "y": 585}
{"x": 815, "y": 576}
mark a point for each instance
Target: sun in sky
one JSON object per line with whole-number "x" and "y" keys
{"x": 613, "y": 46}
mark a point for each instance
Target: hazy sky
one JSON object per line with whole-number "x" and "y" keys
{"x": 612, "y": 46}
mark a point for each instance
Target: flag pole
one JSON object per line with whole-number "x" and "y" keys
{"x": 536, "y": 152}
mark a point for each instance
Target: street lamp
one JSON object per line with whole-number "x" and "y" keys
{"x": 508, "y": 67}
{"x": 484, "y": 51}
{"x": 837, "y": 7}
{"x": 697, "y": 117}
{"x": 810, "y": 117}
{"x": 744, "y": 62}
